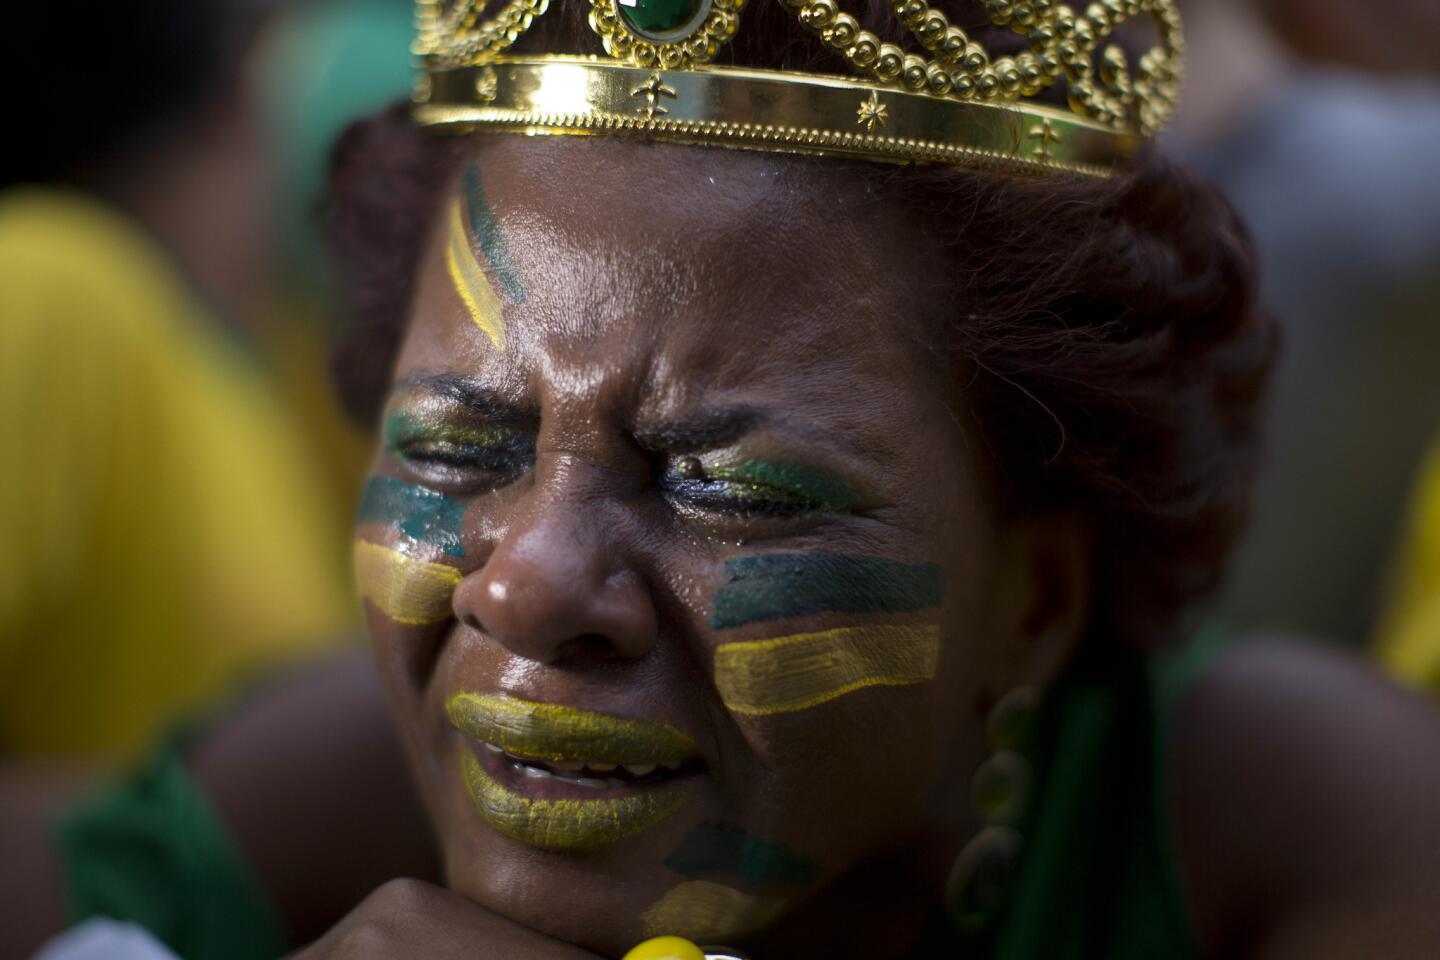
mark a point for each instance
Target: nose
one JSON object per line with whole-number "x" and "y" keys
{"x": 557, "y": 588}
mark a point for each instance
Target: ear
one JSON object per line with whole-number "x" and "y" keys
{"x": 1040, "y": 597}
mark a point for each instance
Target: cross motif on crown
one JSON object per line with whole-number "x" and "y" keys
{"x": 1047, "y": 135}
{"x": 653, "y": 89}
{"x": 487, "y": 84}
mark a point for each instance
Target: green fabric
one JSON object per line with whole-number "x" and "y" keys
{"x": 1101, "y": 879}
{"x": 151, "y": 851}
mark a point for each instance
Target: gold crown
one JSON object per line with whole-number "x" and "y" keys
{"x": 953, "y": 103}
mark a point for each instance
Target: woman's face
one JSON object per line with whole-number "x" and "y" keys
{"x": 677, "y": 556}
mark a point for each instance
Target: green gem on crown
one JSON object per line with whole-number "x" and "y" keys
{"x": 658, "y": 19}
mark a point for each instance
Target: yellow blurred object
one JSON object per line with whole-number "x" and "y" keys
{"x": 666, "y": 948}
{"x": 1409, "y": 641}
{"x": 165, "y": 528}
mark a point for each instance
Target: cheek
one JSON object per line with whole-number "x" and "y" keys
{"x": 407, "y": 590}
{"x": 406, "y": 532}
{"x": 786, "y": 674}
{"x": 893, "y": 639}
{"x": 833, "y": 687}
{"x": 426, "y": 520}
{"x": 406, "y": 551}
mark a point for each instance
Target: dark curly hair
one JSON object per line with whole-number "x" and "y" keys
{"x": 1109, "y": 347}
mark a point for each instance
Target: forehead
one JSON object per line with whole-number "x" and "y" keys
{"x": 624, "y": 265}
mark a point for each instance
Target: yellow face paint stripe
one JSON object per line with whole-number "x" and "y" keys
{"x": 701, "y": 910}
{"x": 797, "y": 672}
{"x": 405, "y": 589}
{"x": 471, "y": 282}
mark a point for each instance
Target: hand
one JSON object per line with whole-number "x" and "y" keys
{"x": 411, "y": 920}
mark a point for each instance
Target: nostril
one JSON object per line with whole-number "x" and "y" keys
{"x": 472, "y": 621}
{"x": 591, "y": 646}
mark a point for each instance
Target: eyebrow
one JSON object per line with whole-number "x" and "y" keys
{"x": 468, "y": 392}
{"x": 701, "y": 431}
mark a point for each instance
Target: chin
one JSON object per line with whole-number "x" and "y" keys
{"x": 604, "y": 896}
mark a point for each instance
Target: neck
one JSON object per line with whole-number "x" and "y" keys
{"x": 1233, "y": 58}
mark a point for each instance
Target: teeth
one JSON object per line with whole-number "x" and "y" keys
{"x": 569, "y": 771}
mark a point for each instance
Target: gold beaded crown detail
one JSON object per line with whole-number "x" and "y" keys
{"x": 945, "y": 100}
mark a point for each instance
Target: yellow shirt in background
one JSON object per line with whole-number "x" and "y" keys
{"x": 1410, "y": 634}
{"x": 165, "y": 528}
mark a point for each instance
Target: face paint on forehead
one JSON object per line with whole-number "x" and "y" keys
{"x": 781, "y": 586}
{"x": 487, "y": 234}
{"x": 470, "y": 282}
{"x": 428, "y": 517}
{"x": 472, "y": 223}
{"x": 717, "y": 848}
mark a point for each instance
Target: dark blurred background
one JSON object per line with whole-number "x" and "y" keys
{"x": 179, "y": 482}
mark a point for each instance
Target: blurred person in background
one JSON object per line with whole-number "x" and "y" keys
{"x": 1409, "y": 634}
{"x": 167, "y": 525}
{"x": 1333, "y": 168}
{"x": 1388, "y": 36}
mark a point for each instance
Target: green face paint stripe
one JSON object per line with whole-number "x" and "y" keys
{"x": 426, "y": 516}
{"x": 487, "y": 234}
{"x": 780, "y": 586}
{"x": 716, "y": 848}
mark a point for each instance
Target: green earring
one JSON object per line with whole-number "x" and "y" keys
{"x": 983, "y": 875}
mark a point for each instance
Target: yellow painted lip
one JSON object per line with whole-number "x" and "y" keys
{"x": 566, "y": 824}
{"x": 549, "y": 731}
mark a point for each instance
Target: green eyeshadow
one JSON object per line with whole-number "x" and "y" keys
{"x": 790, "y": 483}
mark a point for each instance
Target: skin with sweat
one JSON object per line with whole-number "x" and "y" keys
{"x": 728, "y": 575}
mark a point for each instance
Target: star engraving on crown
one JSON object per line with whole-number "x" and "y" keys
{"x": 872, "y": 113}
{"x": 652, "y": 90}
{"x": 1048, "y": 136}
